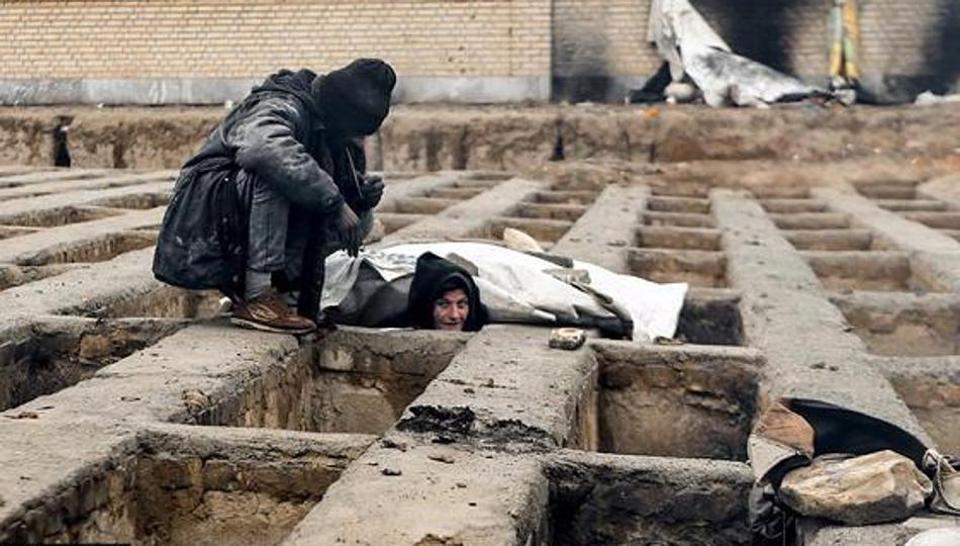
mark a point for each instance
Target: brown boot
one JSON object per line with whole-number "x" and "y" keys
{"x": 269, "y": 313}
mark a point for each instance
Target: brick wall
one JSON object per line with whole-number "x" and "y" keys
{"x": 218, "y": 38}
{"x": 901, "y": 39}
{"x": 602, "y": 37}
{"x": 458, "y": 41}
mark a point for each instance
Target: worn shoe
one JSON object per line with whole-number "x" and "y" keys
{"x": 268, "y": 312}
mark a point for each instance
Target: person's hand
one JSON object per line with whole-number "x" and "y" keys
{"x": 347, "y": 226}
{"x": 371, "y": 191}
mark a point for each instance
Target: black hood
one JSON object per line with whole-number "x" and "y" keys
{"x": 292, "y": 83}
{"x": 356, "y": 98}
{"x": 432, "y": 277}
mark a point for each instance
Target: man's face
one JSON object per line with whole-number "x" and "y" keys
{"x": 450, "y": 310}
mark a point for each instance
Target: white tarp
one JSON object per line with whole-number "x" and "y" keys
{"x": 691, "y": 47}
{"x": 518, "y": 287}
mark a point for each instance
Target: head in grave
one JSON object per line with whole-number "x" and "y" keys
{"x": 443, "y": 296}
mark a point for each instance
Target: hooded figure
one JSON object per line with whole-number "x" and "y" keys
{"x": 280, "y": 183}
{"x": 427, "y": 307}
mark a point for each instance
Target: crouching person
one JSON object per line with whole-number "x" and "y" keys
{"x": 279, "y": 185}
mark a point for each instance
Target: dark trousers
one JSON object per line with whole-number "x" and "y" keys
{"x": 279, "y": 232}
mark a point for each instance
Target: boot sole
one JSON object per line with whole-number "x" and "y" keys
{"x": 251, "y": 325}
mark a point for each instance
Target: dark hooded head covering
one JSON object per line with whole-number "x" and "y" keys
{"x": 356, "y": 98}
{"x": 432, "y": 278}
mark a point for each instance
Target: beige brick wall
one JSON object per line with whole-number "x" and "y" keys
{"x": 602, "y": 37}
{"x": 900, "y": 36}
{"x": 217, "y": 38}
{"x": 480, "y": 40}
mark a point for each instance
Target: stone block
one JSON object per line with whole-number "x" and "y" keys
{"x": 875, "y": 488}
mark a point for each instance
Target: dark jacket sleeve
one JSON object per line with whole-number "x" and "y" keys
{"x": 265, "y": 143}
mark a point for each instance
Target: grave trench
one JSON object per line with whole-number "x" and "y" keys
{"x": 934, "y": 398}
{"x": 353, "y": 380}
{"x": 690, "y": 254}
{"x": 546, "y": 232}
{"x": 680, "y": 188}
{"x": 612, "y": 500}
{"x": 911, "y": 326}
{"x": 546, "y": 216}
{"x": 187, "y": 489}
{"x": 160, "y": 301}
{"x": 51, "y": 355}
{"x": 887, "y": 271}
{"x": 671, "y": 401}
{"x": 677, "y": 241}
{"x": 905, "y": 199}
{"x": 710, "y": 317}
{"x": 403, "y": 212}
{"x": 848, "y": 258}
{"x": 902, "y": 190}
{"x": 677, "y": 238}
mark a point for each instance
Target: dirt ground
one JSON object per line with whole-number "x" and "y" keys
{"x": 443, "y": 137}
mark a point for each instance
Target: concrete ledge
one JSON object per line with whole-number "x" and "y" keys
{"x": 405, "y": 493}
{"x": 611, "y": 499}
{"x": 495, "y": 392}
{"x": 473, "y": 89}
{"x": 213, "y": 361}
{"x": 172, "y": 91}
{"x": 30, "y": 92}
{"x": 784, "y": 309}
{"x": 602, "y": 234}
{"x": 41, "y": 248}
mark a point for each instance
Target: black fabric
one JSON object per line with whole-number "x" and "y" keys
{"x": 430, "y": 278}
{"x": 836, "y": 430}
{"x": 841, "y": 430}
{"x": 276, "y": 134}
{"x": 356, "y": 98}
{"x": 202, "y": 243}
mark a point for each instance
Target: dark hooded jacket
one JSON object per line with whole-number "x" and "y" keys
{"x": 280, "y": 134}
{"x": 434, "y": 276}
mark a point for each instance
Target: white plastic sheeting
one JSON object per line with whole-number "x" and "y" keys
{"x": 691, "y": 47}
{"x": 517, "y": 287}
